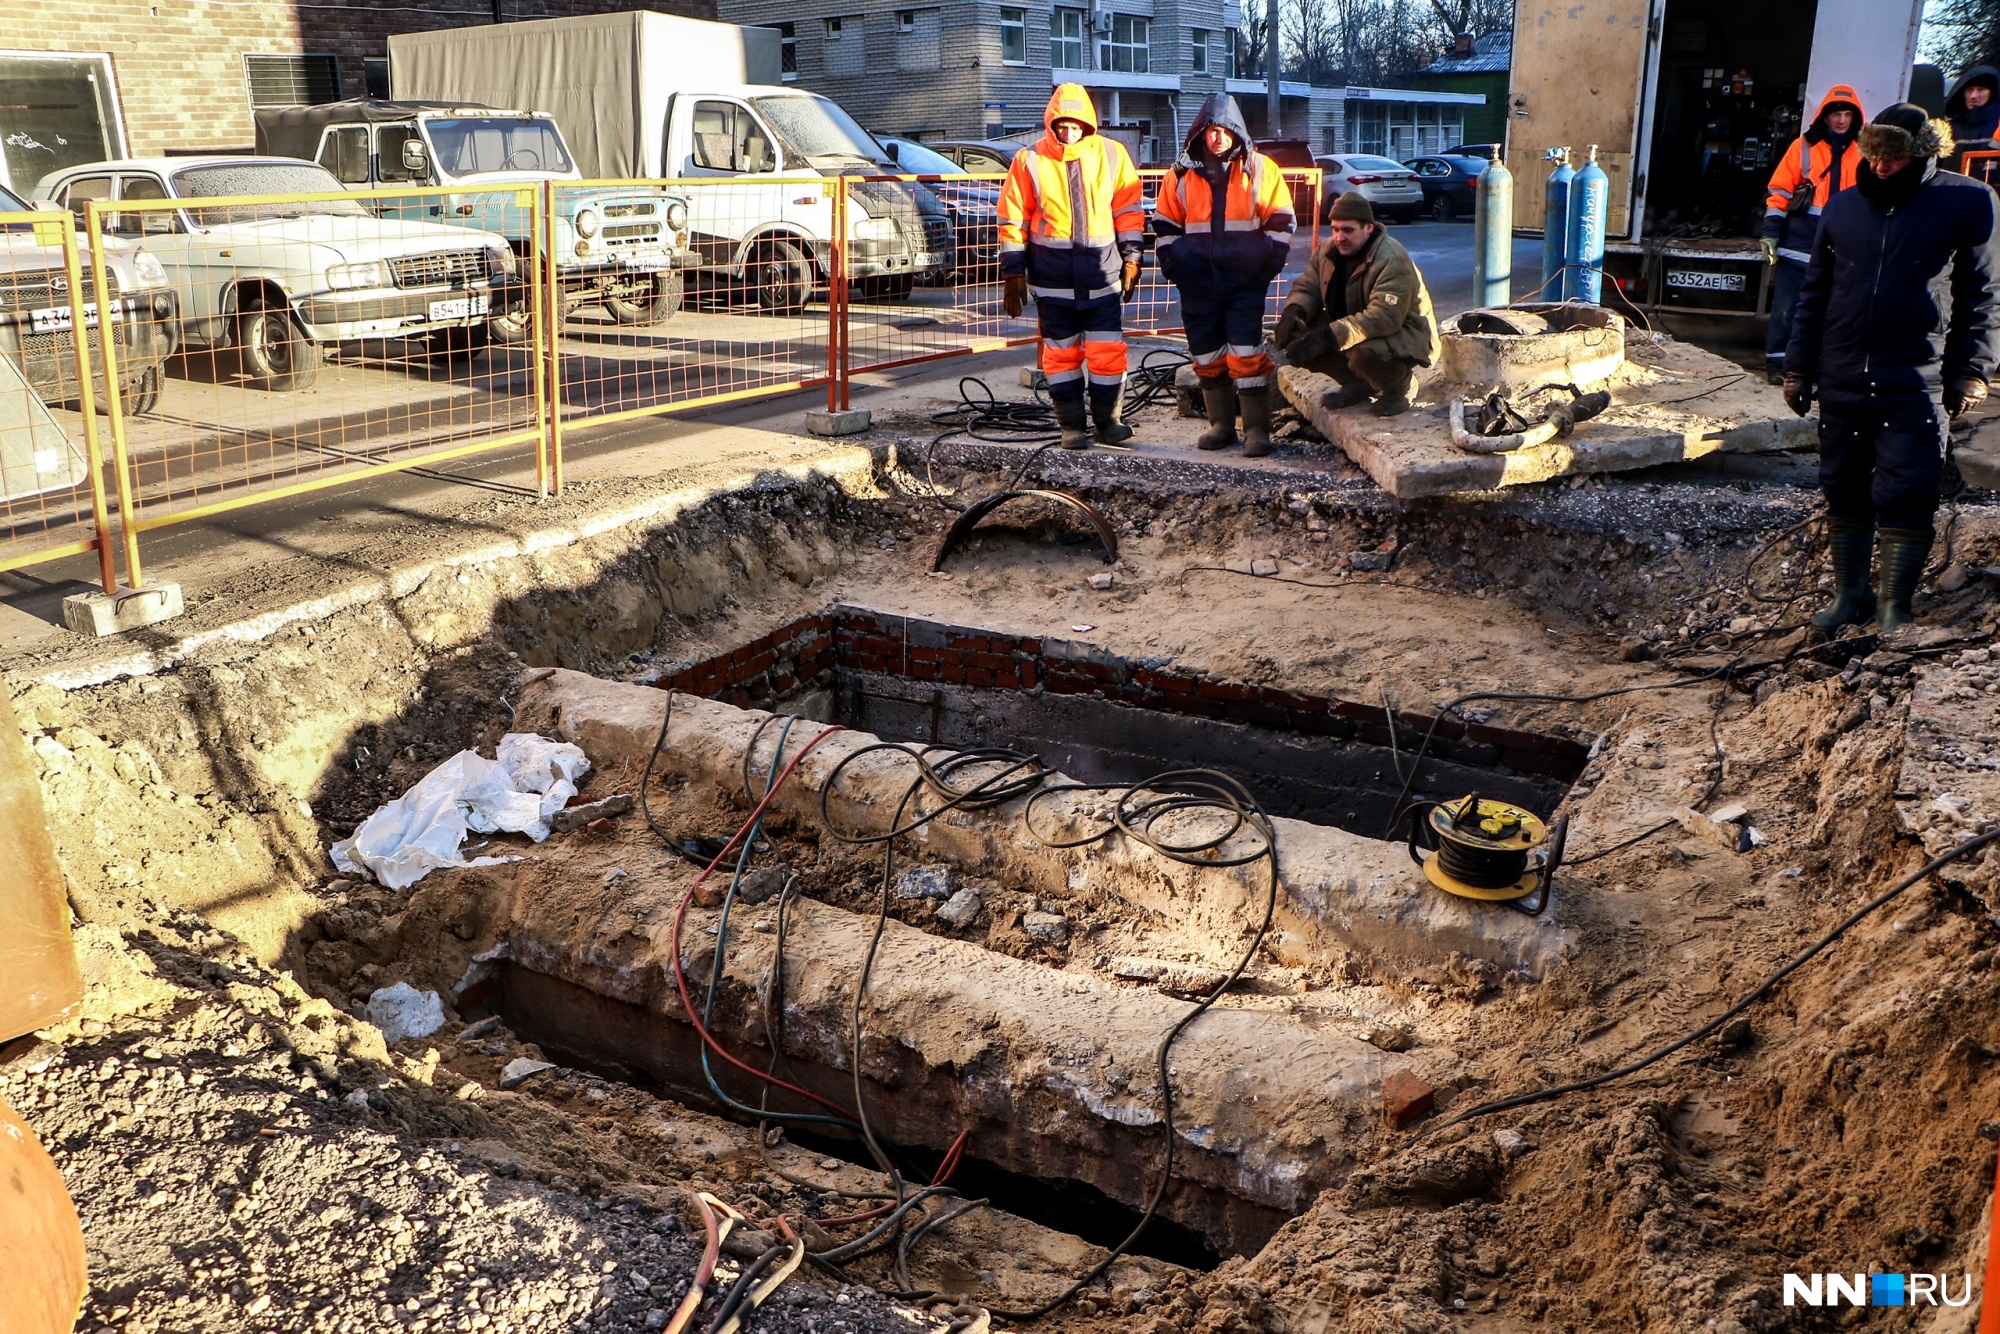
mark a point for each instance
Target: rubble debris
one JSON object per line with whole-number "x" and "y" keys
{"x": 1047, "y": 927}
{"x": 521, "y": 1069}
{"x": 924, "y": 882}
{"x": 960, "y": 910}
{"x": 401, "y": 1011}
{"x": 572, "y": 818}
{"x": 1390, "y": 1037}
{"x": 1406, "y": 1099}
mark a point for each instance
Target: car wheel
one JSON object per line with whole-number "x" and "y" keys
{"x": 141, "y": 396}
{"x": 513, "y": 327}
{"x": 456, "y": 346}
{"x": 781, "y": 278}
{"x": 661, "y": 305}
{"x": 1442, "y": 209}
{"x": 274, "y": 351}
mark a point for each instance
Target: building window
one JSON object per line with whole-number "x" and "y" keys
{"x": 919, "y": 39}
{"x": 1013, "y": 36}
{"x": 1198, "y": 50}
{"x": 1230, "y": 69}
{"x": 788, "y": 49}
{"x": 58, "y": 111}
{"x": 846, "y": 47}
{"x": 375, "y": 76}
{"x": 1066, "y": 38}
{"x": 292, "y": 81}
{"x": 1126, "y": 48}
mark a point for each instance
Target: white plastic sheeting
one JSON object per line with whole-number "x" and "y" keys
{"x": 401, "y": 1011}
{"x": 530, "y": 780}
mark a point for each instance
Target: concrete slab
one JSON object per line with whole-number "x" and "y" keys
{"x": 1672, "y": 402}
{"x": 1339, "y": 893}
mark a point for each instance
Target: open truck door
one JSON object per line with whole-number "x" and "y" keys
{"x": 1583, "y": 74}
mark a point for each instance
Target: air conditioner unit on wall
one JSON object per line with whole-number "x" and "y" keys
{"x": 1100, "y": 20}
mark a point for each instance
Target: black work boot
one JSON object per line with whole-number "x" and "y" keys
{"x": 1219, "y": 395}
{"x": 1396, "y": 401}
{"x": 1107, "y": 405}
{"x": 1256, "y": 420}
{"x": 1347, "y": 396}
{"x": 1075, "y": 426}
{"x": 1851, "y": 543}
{"x": 1904, "y": 551}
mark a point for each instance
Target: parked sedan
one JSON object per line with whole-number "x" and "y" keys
{"x": 277, "y": 278}
{"x": 1389, "y": 186}
{"x": 974, "y": 206}
{"x": 1448, "y": 184}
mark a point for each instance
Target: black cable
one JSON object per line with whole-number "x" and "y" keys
{"x": 739, "y": 1291}
{"x": 1757, "y": 993}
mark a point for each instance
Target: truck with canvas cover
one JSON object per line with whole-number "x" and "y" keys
{"x": 1690, "y": 103}
{"x": 656, "y": 97}
{"x": 618, "y": 247}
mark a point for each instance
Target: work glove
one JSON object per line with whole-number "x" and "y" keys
{"x": 1798, "y": 393}
{"x": 1288, "y": 327}
{"x": 1014, "y": 294}
{"x": 1964, "y": 395}
{"x": 1312, "y": 345}
{"x": 1769, "y": 245}
{"x": 1131, "y": 281}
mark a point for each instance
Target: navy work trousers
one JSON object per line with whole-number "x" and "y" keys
{"x": 1881, "y": 455}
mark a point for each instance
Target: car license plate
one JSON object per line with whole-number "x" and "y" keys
{"x": 1705, "y": 282}
{"x": 929, "y": 260}
{"x": 460, "y": 307}
{"x": 56, "y": 319}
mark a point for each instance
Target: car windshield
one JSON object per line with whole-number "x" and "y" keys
{"x": 233, "y": 180}
{"x": 13, "y": 203}
{"x": 921, "y": 161}
{"x": 1374, "y": 164}
{"x": 469, "y": 145}
{"x": 815, "y": 128}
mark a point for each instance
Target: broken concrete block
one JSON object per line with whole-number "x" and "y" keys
{"x": 1368, "y": 560}
{"x": 402, "y": 1012}
{"x": 1138, "y": 970}
{"x": 846, "y": 421}
{"x": 1263, "y": 567}
{"x": 924, "y": 882}
{"x": 1406, "y": 1099}
{"x": 960, "y": 910}
{"x": 1104, "y": 582}
{"x": 1390, "y": 1037}
{"x": 1046, "y": 926}
{"x": 1736, "y": 838}
{"x": 520, "y": 1070}
{"x": 1510, "y": 1142}
{"x": 1731, "y": 813}
{"x": 576, "y": 817}
{"x": 762, "y": 883}
{"x": 103, "y": 614}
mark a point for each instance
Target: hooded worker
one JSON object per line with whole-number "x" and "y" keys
{"x": 1360, "y": 313}
{"x": 1973, "y": 108}
{"x": 1071, "y": 231}
{"x": 1865, "y": 337}
{"x": 1819, "y": 164}
{"x": 1225, "y": 225}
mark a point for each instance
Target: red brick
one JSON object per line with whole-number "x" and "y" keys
{"x": 978, "y": 676}
{"x": 1406, "y": 1099}
{"x": 952, "y": 672}
{"x": 1232, "y": 691}
{"x": 1030, "y": 673}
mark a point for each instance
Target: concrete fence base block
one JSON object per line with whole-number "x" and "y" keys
{"x": 846, "y": 421}
{"x": 1031, "y": 378}
{"x": 102, "y": 614}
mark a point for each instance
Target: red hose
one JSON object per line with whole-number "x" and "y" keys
{"x": 1989, "y": 1302}
{"x": 942, "y": 1175}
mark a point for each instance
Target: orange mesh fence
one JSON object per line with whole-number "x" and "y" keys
{"x": 52, "y": 488}
{"x": 317, "y": 334}
{"x": 1982, "y": 165}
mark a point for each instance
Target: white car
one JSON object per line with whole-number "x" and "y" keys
{"x": 1390, "y": 188}
{"x": 278, "y": 282}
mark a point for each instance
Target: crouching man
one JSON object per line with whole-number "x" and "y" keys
{"x": 1361, "y": 314}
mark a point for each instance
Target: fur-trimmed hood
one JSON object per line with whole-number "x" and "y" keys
{"x": 1891, "y": 135}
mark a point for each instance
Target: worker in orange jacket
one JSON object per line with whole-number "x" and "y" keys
{"x": 1071, "y": 230}
{"x": 1819, "y": 163}
{"x": 1223, "y": 257}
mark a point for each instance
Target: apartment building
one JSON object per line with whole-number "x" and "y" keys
{"x": 974, "y": 69}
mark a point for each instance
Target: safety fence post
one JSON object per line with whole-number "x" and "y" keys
{"x": 544, "y": 348}
{"x": 107, "y": 344}
{"x": 87, "y": 402}
{"x": 836, "y": 321}
{"x": 845, "y": 296}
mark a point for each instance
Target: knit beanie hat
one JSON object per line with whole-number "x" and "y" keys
{"x": 1353, "y": 207}
{"x": 1905, "y": 130}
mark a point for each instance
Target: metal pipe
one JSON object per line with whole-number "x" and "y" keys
{"x": 1274, "y": 112}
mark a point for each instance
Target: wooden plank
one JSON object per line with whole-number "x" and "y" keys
{"x": 1579, "y": 68}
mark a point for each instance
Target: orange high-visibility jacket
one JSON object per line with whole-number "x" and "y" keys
{"x": 1248, "y": 240}
{"x": 1069, "y": 213}
{"x": 1808, "y": 165}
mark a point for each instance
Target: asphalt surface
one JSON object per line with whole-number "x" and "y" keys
{"x": 211, "y": 437}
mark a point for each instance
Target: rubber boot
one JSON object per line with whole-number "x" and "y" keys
{"x": 1396, "y": 402}
{"x": 1075, "y": 426}
{"x": 1107, "y": 405}
{"x": 1219, "y": 395}
{"x": 1256, "y": 404}
{"x": 1904, "y": 551}
{"x": 1851, "y": 542}
{"x": 1347, "y": 396}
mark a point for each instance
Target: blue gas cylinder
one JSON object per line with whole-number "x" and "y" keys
{"x": 1493, "y": 235}
{"x": 1555, "y": 224}
{"x": 1589, "y": 201}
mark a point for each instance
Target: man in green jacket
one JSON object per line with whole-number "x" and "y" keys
{"x": 1361, "y": 314}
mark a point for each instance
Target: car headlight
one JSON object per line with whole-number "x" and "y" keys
{"x": 147, "y": 268}
{"x": 500, "y": 262}
{"x": 875, "y": 229}
{"x": 347, "y": 277}
{"x": 677, "y": 216}
{"x": 587, "y": 222}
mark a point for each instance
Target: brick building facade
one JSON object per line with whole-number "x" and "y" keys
{"x": 171, "y": 75}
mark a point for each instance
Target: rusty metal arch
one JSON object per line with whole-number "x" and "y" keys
{"x": 962, "y": 527}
